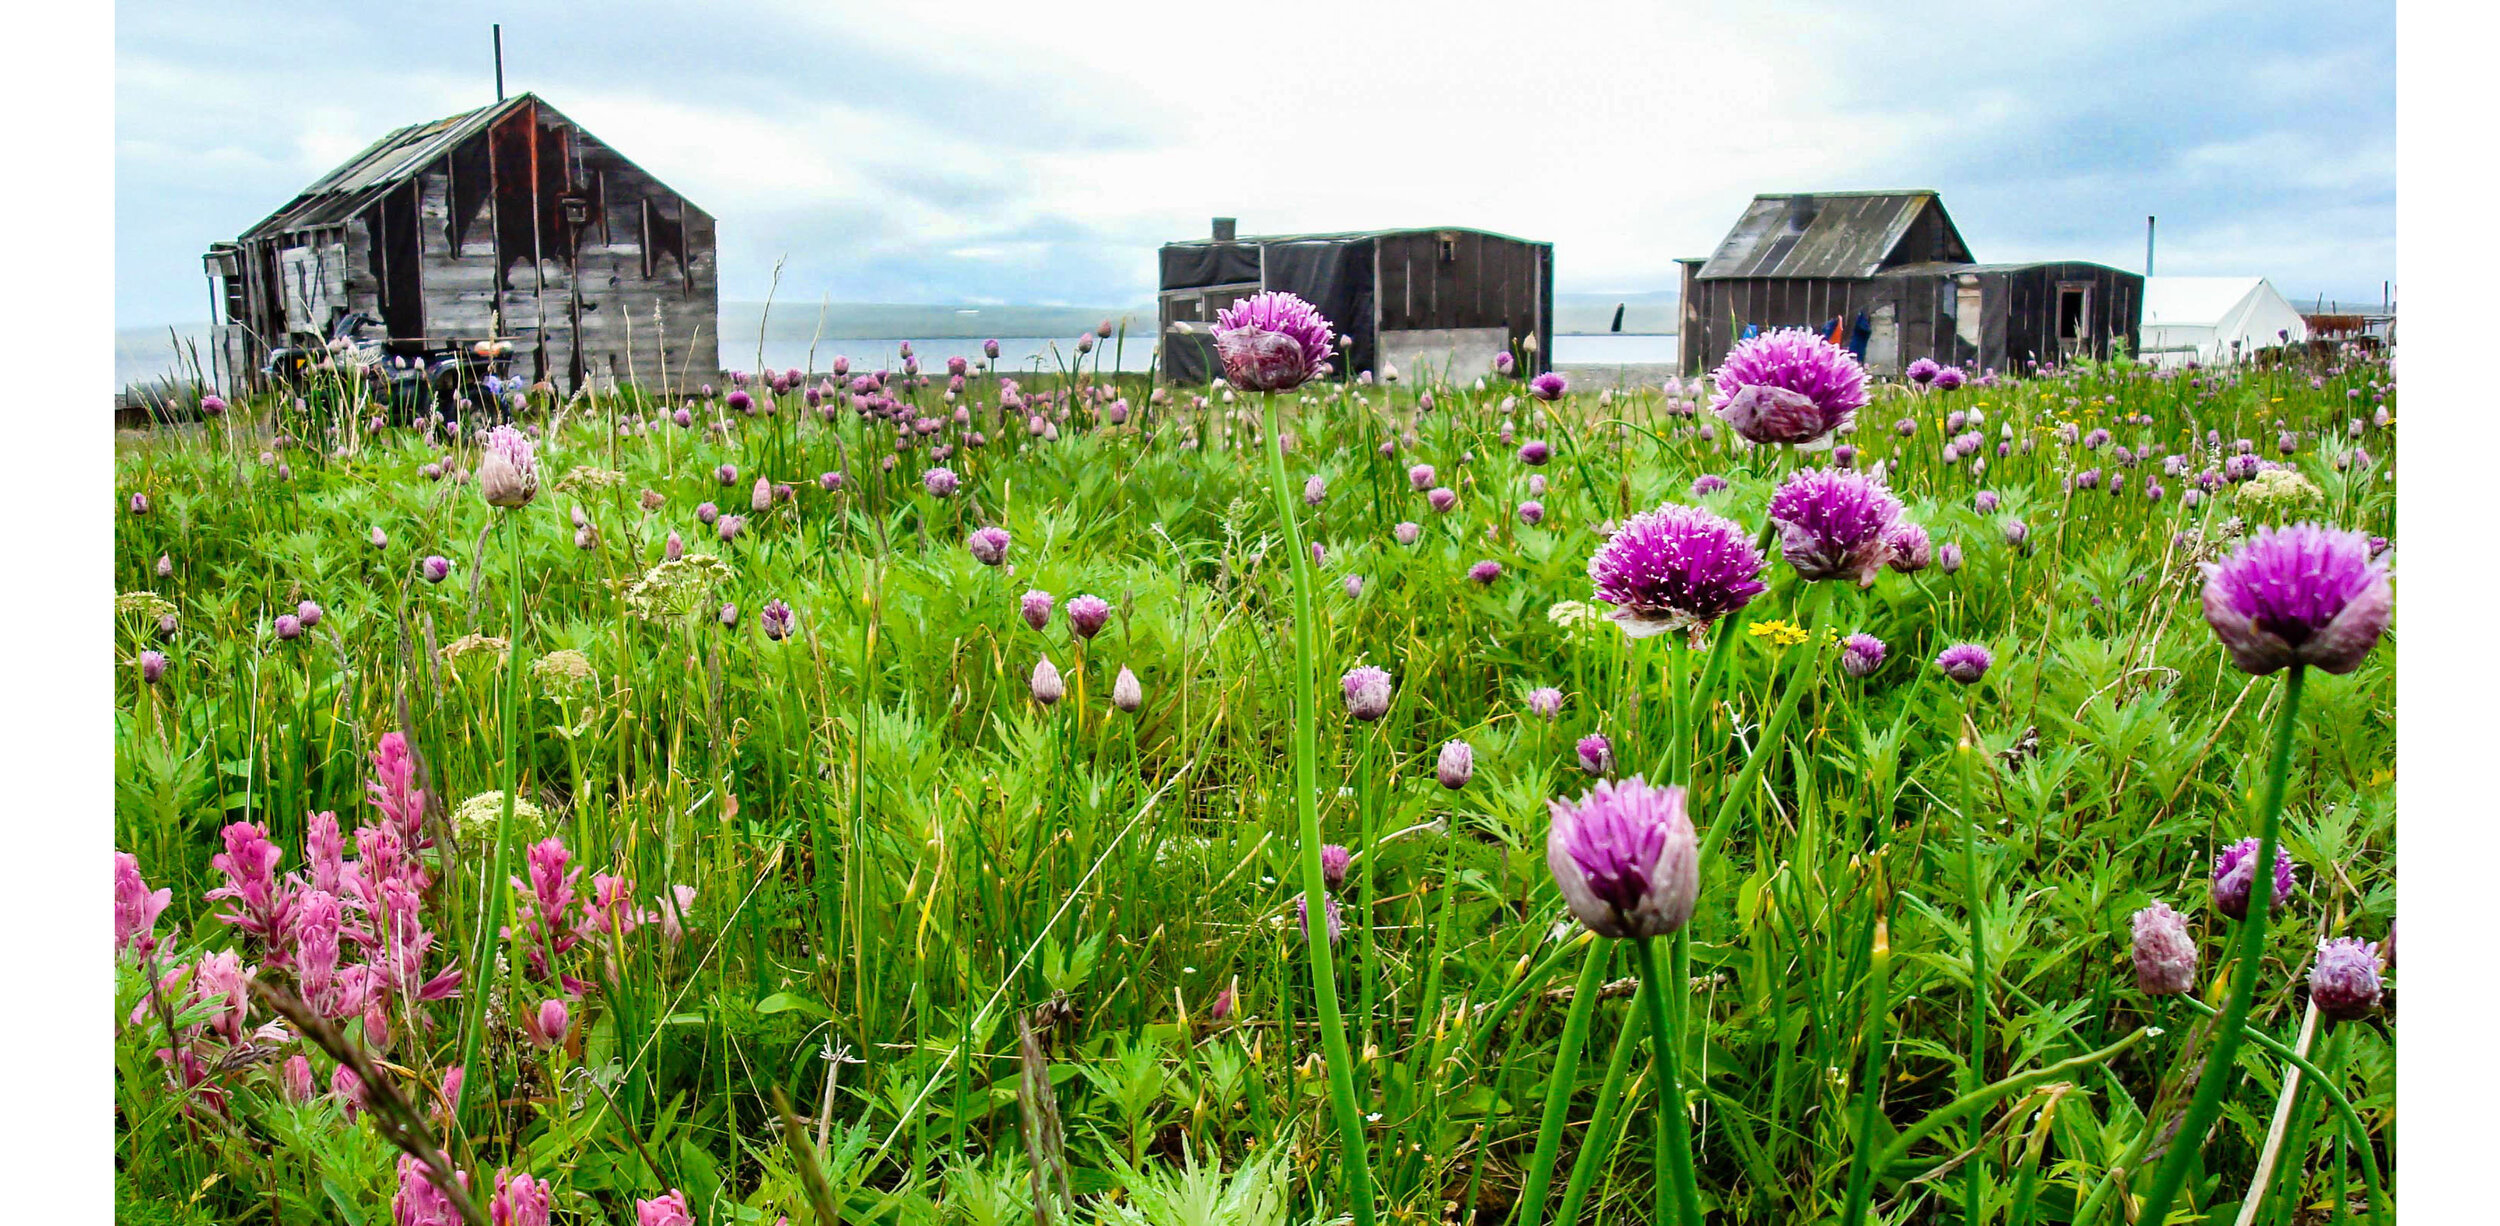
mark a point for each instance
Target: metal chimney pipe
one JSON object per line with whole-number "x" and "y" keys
{"x": 2148, "y": 246}
{"x": 1223, "y": 229}
{"x": 498, "y": 61}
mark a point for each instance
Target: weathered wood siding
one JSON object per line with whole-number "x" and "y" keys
{"x": 1482, "y": 281}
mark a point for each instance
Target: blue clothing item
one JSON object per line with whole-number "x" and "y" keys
{"x": 1860, "y": 332}
{"x": 1752, "y": 331}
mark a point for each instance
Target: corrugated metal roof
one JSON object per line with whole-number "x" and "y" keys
{"x": 1820, "y": 234}
{"x": 383, "y": 165}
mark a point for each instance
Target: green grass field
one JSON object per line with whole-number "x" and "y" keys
{"x": 983, "y": 950}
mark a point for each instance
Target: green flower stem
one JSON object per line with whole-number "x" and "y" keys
{"x": 2327, "y": 1089}
{"x": 1676, "y": 1188}
{"x": 1605, "y": 1126}
{"x": 1870, "y": 1077}
{"x": 2251, "y": 947}
{"x": 1978, "y": 1100}
{"x": 1509, "y": 999}
{"x": 1354, "y": 1167}
{"x": 490, "y": 892}
{"x": 1975, "y": 1073}
{"x": 1559, "y": 1087}
{"x": 1792, "y": 689}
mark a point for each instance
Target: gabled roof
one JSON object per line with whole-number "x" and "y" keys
{"x": 1347, "y": 236}
{"x": 383, "y": 165}
{"x": 1829, "y": 234}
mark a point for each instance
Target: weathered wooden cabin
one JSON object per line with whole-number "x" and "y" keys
{"x": 508, "y": 222}
{"x": 1889, "y": 272}
{"x": 1441, "y": 300}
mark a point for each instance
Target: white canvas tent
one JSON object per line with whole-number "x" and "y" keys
{"x": 2198, "y": 319}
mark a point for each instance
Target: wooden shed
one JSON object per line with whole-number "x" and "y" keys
{"x": 1432, "y": 300}
{"x": 508, "y": 222}
{"x": 1889, "y": 274}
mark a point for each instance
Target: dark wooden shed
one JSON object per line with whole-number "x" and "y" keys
{"x": 1890, "y": 273}
{"x": 1439, "y": 300}
{"x": 508, "y": 222}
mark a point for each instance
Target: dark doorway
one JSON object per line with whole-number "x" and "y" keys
{"x": 397, "y": 256}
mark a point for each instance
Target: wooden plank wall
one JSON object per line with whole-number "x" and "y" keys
{"x": 673, "y": 339}
{"x": 1493, "y": 282}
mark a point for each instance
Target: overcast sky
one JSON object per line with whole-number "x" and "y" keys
{"x": 959, "y": 153}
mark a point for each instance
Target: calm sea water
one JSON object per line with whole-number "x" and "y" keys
{"x": 146, "y": 355}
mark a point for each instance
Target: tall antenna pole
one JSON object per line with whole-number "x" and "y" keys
{"x": 498, "y": 61}
{"x": 2148, "y": 221}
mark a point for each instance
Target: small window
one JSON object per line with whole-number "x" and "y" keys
{"x": 1449, "y": 251}
{"x": 2074, "y": 312}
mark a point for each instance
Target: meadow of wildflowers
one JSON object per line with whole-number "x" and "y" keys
{"x": 880, "y": 795}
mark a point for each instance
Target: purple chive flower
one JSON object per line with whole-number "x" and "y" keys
{"x": 707, "y": 513}
{"x": 2303, "y": 594}
{"x": 1675, "y": 568}
{"x": 1442, "y": 498}
{"x": 1530, "y": 512}
{"x": 1708, "y": 484}
{"x": 674, "y": 548}
{"x": 139, "y": 504}
{"x": 730, "y": 526}
{"x": 1597, "y": 754}
{"x": 1366, "y": 692}
{"x": 1353, "y": 587}
{"x": 1949, "y": 557}
{"x": 151, "y": 666}
{"x": 1315, "y": 491}
{"x": 1833, "y": 523}
{"x": 1334, "y": 860}
{"x": 729, "y": 614}
{"x": 2016, "y": 532}
{"x": 1949, "y": 378}
{"x": 1861, "y": 654}
{"x": 2234, "y": 875}
{"x": 1272, "y": 342}
{"x": 1548, "y": 386}
{"x": 1965, "y": 663}
{"x": 1788, "y": 386}
{"x": 1535, "y": 452}
{"x": 165, "y": 564}
{"x": 1047, "y": 687}
{"x": 2165, "y": 956}
{"x": 1626, "y": 858}
{"x": 940, "y": 482}
{"x": 1545, "y": 700}
{"x": 779, "y": 621}
{"x": 1336, "y": 917}
{"x": 1457, "y": 765}
{"x": 1905, "y": 427}
{"x": 287, "y": 626}
{"x": 507, "y": 472}
{"x": 1036, "y": 609}
{"x": 1126, "y": 693}
{"x": 1923, "y": 371}
{"x": 308, "y": 614}
{"x": 1485, "y": 572}
{"x": 1421, "y": 477}
{"x": 1503, "y": 363}
{"x": 1984, "y": 502}
{"x": 989, "y": 545}
{"x": 1086, "y": 614}
{"x": 2344, "y": 982}
{"x": 829, "y": 482}
{"x": 1407, "y": 532}
{"x": 1911, "y": 548}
